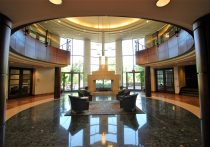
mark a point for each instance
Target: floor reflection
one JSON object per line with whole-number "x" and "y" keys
{"x": 105, "y": 130}
{"x": 162, "y": 125}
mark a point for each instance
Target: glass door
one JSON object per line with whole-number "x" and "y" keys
{"x": 135, "y": 80}
{"x": 165, "y": 80}
{"x": 130, "y": 80}
{"x": 20, "y": 82}
{"x": 71, "y": 81}
{"x": 169, "y": 80}
{"x": 75, "y": 81}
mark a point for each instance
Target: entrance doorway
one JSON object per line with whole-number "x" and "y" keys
{"x": 71, "y": 81}
{"x": 20, "y": 82}
{"x": 135, "y": 80}
{"x": 164, "y": 80}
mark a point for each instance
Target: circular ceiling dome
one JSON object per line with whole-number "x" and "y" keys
{"x": 93, "y": 27}
{"x": 104, "y": 22}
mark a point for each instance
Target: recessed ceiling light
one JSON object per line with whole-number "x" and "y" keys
{"x": 162, "y": 3}
{"x": 147, "y": 21}
{"x": 56, "y": 2}
{"x": 59, "y": 21}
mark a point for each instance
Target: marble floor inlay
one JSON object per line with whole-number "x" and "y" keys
{"x": 162, "y": 125}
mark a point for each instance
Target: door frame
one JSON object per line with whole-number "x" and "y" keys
{"x": 164, "y": 80}
{"x": 20, "y": 94}
{"x": 71, "y": 74}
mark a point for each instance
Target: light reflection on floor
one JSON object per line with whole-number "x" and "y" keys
{"x": 162, "y": 125}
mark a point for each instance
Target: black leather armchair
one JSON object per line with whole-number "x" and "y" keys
{"x": 85, "y": 93}
{"x": 128, "y": 103}
{"x": 78, "y": 104}
{"x": 124, "y": 92}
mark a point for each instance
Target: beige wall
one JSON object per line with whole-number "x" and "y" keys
{"x": 153, "y": 85}
{"x": 179, "y": 78}
{"x": 43, "y": 81}
{"x": 182, "y": 81}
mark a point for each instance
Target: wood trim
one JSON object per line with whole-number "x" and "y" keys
{"x": 174, "y": 47}
{"x": 27, "y": 46}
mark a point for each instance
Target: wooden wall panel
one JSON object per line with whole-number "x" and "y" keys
{"x": 175, "y": 46}
{"x": 32, "y": 48}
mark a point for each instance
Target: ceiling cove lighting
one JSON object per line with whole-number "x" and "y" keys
{"x": 162, "y": 3}
{"x": 56, "y": 2}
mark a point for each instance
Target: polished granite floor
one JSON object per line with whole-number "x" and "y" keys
{"x": 162, "y": 125}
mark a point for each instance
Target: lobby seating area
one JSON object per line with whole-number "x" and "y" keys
{"x": 128, "y": 102}
{"x": 87, "y": 130}
{"x": 124, "y": 92}
{"x": 78, "y": 104}
{"x": 85, "y": 93}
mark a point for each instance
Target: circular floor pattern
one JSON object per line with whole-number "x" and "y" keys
{"x": 162, "y": 125}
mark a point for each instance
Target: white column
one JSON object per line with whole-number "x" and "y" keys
{"x": 119, "y": 62}
{"x": 86, "y": 65}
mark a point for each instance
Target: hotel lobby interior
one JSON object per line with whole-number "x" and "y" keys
{"x": 104, "y": 74}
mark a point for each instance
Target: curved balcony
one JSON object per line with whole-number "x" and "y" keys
{"x": 29, "y": 47}
{"x": 175, "y": 47}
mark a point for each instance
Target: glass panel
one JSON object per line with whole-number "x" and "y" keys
{"x": 14, "y": 77}
{"x": 26, "y": 76}
{"x": 127, "y": 63}
{"x": 95, "y": 53}
{"x": 81, "y": 80}
{"x": 75, "y": 82}
{"x": 14, "y": 90}
{"x": 14, "y": 71}
{"x": 109, "y": 53}
{"x": 160, "y": 82}
{"x": 138, "y": 81}
{"x": 112, "y": 67}
{"x": 169, "y": 80}
{"x": 26, "y": 82}
{"x": 95, "y": 60}
{"x": 14, "y": 82}
{"x": 26, "y": 72}
{"x": 25, "y": 89}
{"x": 111, "y": 60}
{"x": 130, "y": 80}
{"x": 127, "y": 47}
{"x": 124, "y": 79}
{"x": 78, "y": 47}
{"x": 78, "y": 63}
{"x": 94, "y": 67}
{"x": 67, "y": 82}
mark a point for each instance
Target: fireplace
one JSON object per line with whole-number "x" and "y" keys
{"x": 103, "y": 85}
{"x": 103, "y": 80}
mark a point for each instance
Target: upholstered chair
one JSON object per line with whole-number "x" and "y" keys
{"x": 78, "y": 104}
{"x": 121, "y": 93}
{"x": 128, "y": 103}
{"x": 85, "y": 93}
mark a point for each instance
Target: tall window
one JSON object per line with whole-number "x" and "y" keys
{"x": 73, "y": 74}
{"x": 96, "y": 52}
{"x": 129, "y": 58}
{"x": 110, "y": 53}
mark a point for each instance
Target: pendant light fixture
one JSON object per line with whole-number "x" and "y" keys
{"x": 56, "y": 2}
{"x": 162, "y": 3}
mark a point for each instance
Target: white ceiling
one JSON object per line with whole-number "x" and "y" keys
{"x": 179, "y": 12}
{"x": 114, "y": 28}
